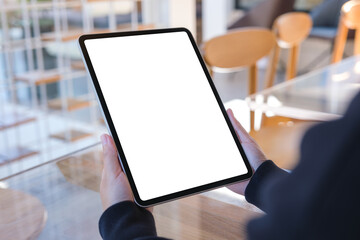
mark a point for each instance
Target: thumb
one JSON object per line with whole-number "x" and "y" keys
{"x": 111, "y": 162}
{"x": 240, "y": 131}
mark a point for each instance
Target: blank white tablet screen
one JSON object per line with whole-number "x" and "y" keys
{"x": 166, "y": 116}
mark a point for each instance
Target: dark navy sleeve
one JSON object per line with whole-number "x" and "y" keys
{"x": 267, "y": 173}
{"x": 125, "y": 220}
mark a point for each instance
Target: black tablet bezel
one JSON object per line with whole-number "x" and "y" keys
{"x": 112, "y": 129}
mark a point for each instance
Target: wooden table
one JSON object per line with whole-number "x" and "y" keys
{"x": 200, "y": 217}
{"x": 196, "y": 217}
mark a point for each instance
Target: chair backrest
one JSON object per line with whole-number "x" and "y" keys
{"x": 238, "y": 48}
{"x": 292, "y": 28}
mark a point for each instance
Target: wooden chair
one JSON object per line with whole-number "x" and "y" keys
{"x": 290, "y": 30}
{"x": 241, "y": 48}
{"x": 349, "y": 19}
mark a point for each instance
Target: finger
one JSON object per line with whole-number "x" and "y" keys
{"x": 242, "y": 133}
{"x": 111, "y": 162}
{"x": 235, "y": 122}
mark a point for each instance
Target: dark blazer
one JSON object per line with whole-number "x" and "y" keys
{"x": 318, "y": 200}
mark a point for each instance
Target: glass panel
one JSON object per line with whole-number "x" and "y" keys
{"x": 323, "y": 93}
{"x": 72, "y": 210}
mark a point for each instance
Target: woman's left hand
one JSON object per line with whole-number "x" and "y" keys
{"x": 114, "y": 185}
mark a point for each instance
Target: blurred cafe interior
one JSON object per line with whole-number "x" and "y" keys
{"x": 289, "y": 64}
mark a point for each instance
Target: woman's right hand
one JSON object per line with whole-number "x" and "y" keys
{"x": 252, "y": 150}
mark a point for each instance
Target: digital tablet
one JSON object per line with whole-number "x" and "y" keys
{"x": 161, "y": 107}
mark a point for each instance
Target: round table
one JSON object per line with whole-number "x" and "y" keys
{"x": 22, "y": 216}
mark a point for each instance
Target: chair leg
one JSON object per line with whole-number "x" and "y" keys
{"x": 357, "y": 42}
{"x": 340, "y": 42}
{"x": 252, "y": 90}
{"x": 292, "y": 62}
{"x": 271, "y": 70}
{"x": 252, "y": 79}
{"x": 252, "y": 121}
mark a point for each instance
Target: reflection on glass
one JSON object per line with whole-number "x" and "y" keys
{"x": 357, "y": 68}
{"x": 340, "y": 77}
{"x": 274, "y": 102}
